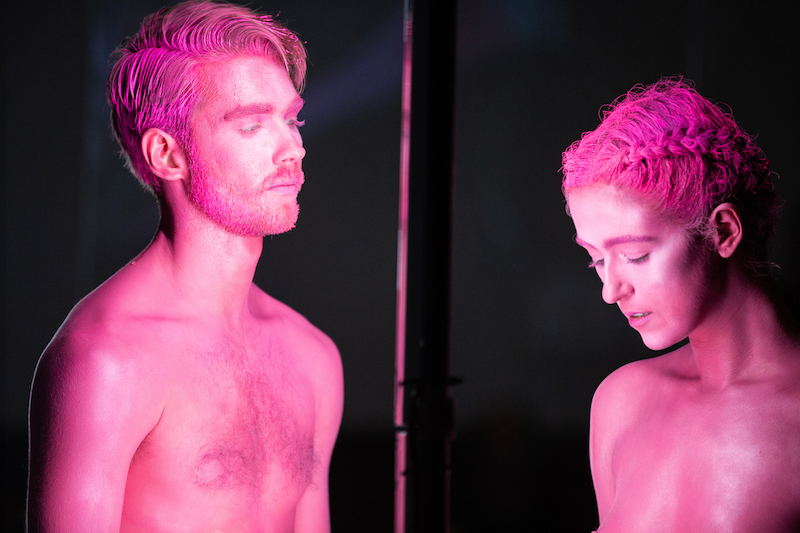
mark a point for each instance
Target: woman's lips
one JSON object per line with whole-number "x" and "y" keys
{"x": 638, "y": 319}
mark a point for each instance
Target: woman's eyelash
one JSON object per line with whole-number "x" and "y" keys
{"x": 638, "y": 259}
{"x": 635, "y": 261}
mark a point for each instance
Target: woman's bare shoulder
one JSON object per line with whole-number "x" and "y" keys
{"x": 626, "y": 389}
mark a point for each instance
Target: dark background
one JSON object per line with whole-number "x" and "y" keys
{"x": 531, "y": 336}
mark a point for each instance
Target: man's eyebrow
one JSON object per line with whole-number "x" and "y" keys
{"x": 247, "y": 110}
{"x": 618, "y": 240}
{"x": 260, "y": 109}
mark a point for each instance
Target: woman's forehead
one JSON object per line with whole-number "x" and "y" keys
{"x": 606, "y": 212}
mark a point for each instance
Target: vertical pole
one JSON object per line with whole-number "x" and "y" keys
{"x": 423, "y": 408}
{"x": 401, "y": 433}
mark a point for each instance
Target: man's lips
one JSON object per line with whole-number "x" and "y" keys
{"x": 286, "y": 181}
{"x": 285, "y": 187}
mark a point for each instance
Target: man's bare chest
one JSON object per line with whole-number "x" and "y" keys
{"x": 238, "y": 417}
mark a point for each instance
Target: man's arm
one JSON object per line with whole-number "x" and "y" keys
{"x": 313, "y": 512}
{"x": 91, "y": 407}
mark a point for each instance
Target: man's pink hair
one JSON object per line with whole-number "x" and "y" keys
{"x": 154, "y": 81}
{"x": 682, "y": 154}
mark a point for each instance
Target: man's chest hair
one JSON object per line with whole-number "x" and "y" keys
{"x": 255, "y": 416}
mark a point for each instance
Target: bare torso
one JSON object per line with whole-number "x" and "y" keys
{"x": 236, "y": 433}
{"x": 179, "y": 397}
{"x": 221, "y": 428}
{"x": 669, "y": 456}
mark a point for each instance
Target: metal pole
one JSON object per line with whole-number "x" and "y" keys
{"x": 423, "y": 407}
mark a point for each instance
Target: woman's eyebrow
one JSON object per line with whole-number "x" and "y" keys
{"x": 627, "y": 238}
{"x": 608, "y": 243}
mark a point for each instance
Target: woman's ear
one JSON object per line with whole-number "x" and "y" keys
{"x": 728, "y": 231}
{"x": 164, "y": 156}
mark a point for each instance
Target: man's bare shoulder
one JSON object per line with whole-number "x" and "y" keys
{"x": 314, "y": 352}
{"x": 107, "y": 316}
{"x": 269, "y": 309}
{"x": 95, "y": 384}
{"x": 106, "y": 338}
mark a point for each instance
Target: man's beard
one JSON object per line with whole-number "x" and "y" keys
{"x": 244, "y": 212}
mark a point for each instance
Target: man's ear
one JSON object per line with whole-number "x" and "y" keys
{"x": 164, "y": 156}
{"x": 728, "y": 231}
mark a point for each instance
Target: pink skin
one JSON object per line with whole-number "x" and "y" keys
{"x": 178, "y": 396}
{"x": 250, "y": 176}
{"x": 149, "y": 87}
{"x": 706, "y": 437}
{"x": 649, "y": 266}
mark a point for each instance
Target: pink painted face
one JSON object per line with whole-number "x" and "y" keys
{"x": 246, "y": 153}
{"x": 650, "y": 267}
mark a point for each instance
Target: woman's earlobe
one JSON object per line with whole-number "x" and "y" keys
{"x": 163, "y": 155}
{"x": 727, "y": 223}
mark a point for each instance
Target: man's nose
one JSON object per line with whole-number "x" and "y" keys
{"x": 614, "y": 286}
{"x": 290, "y": 148}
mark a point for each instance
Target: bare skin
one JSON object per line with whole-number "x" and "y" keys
{"x": 178, "y": 396}
{"x": 707, "y": 437}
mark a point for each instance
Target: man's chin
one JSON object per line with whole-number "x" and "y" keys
{"x": 283, "y": 221}
{"x": 279, "y": 230}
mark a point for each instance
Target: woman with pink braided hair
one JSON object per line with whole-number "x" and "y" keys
{"x": 675, "y": 205}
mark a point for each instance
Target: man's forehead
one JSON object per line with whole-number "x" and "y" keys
{"x": 246, "y": 84}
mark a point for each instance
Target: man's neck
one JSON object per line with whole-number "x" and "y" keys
{"x": 210, "y": 269}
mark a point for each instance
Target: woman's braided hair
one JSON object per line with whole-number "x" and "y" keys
{"x": 684, "y": 155}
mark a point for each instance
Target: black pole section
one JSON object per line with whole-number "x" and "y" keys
{"x": 426, "y": 200}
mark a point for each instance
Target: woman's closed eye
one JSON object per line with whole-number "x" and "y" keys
{"x": 632, "y": 260}
{"x": 637, "y": 260}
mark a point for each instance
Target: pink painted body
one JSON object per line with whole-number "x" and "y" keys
{"x": 178, "y": 396}
{"x": 250, "y": 175}
{"x": 674, "y": 205}
{"x": 707, "y": 437}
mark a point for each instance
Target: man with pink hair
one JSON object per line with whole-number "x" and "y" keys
{"x": 675, "y": 205}
{"x": 178, "y": 396}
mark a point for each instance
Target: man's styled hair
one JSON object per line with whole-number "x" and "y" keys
{"x": 684, "y": 155}
{"x": 154, "y": 80}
